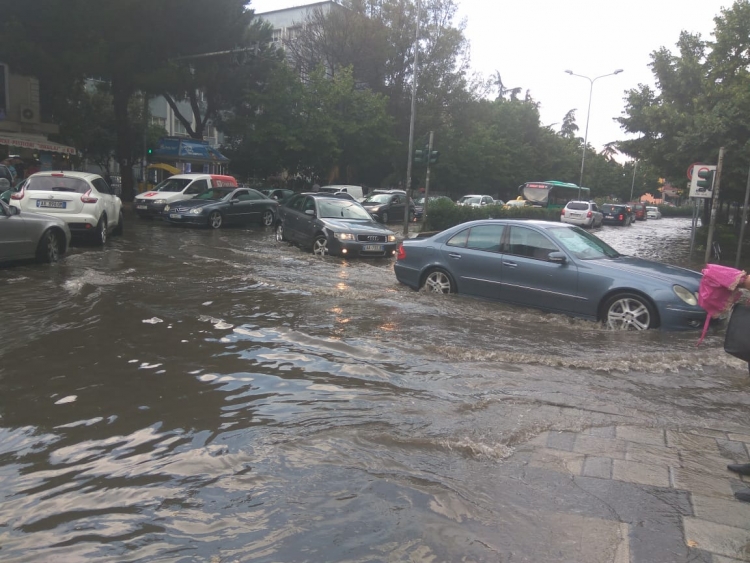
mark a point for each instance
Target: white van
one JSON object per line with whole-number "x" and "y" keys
{"x": 354, "y": 191}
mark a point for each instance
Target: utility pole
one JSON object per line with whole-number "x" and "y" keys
{"x": 427, "y": 181}
{"x": 407, "y": 188}
{"x": 714, "y": 205}
{"x": 744, "y": 220}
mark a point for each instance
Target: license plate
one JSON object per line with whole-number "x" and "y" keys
{"x": 175, "y": 216}
{"x": 50, "y": 203}
{"x": 373, "y": 248}
{"x": 141, "y": 206}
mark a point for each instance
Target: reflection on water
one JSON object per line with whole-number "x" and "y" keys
{"x": 192, "y": 395}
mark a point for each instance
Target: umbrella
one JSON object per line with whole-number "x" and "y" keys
{"x": 719, "y": 290}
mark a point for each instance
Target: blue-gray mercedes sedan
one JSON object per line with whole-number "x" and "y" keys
{"x": 554, "y": 267}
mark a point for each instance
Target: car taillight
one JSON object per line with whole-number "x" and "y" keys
{"x": 621, "y": 216}
{"x": 589, "y": 214}
{"x": 86, "y": 198}
{"x": 562, "y": 211}
{"x": 18, "y": 195}
{"x": 401, "y": 252}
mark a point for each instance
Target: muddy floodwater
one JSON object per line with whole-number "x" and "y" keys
{"x": 192, "y": 395}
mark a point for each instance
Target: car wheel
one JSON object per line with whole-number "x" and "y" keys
{"x": 267, "y": 218}
{"x": 320, "y": 246}
{"x": 120, "y": 227}
{"x": 384, "y": 217}
{"x": 280, "y": 233}
{"x": 439, "y": 281}
{"x": 215, "y": 220}
{"x": 100, "y": 237}
{"x": 49, "y": 247}
{"x": 627, "y": 311}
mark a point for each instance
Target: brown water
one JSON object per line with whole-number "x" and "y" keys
{"x": 191, "y": 395}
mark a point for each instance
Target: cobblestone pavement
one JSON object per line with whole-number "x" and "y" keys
{"x": 654, "y": 495}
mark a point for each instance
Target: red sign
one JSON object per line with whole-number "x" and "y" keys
{"x": 690, "y": 169}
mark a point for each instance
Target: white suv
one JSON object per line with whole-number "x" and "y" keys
{"x": 84, "y": 201}
{"x": 582, "y": 213}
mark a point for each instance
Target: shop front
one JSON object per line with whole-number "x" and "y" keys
{"x": 26, "y": 154}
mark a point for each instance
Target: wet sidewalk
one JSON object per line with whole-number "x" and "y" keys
{"x": 639, "y": 494}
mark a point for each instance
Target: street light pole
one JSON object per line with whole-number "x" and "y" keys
{"x": 407, "y": 187}
{"x": 588, "y": 114}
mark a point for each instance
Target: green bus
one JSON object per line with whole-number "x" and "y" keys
{"x": 553, "y": 194}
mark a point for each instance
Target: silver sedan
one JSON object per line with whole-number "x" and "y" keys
{"x": 24, "y": 234}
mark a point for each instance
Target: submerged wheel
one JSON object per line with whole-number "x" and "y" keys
{"x": 49, "y": 248}
{"x": 100, "y": 236}
{"x": 267, "y": 218}
{"x": 384, "y": 216}
{"x": 280, "y": 233}
{"x": 215, "y": 220}
{"x": 320, "y": 246}
{"x": 439, "y": 281}
{"x": 120, "y": 227}
{"x": 627, "y": 311}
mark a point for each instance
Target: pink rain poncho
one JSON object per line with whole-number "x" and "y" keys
{"x": 718, "y": 292}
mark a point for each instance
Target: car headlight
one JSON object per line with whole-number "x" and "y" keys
{"x": 374, "y": 209}
{"x": 166, "y": 208}
{"x": 160, "y": 201}
{"x": 685, "y": 294}
{"x": 344, "y": 236}
{"x": 196, "y": 210}
{"x": 391, "y": 238}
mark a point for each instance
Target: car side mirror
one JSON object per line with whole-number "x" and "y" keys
{"x": 14, "y": 210}
{"x": 310, "y": 212}
{"x": 557, "y": 257}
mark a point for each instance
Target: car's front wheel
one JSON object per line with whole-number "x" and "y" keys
{"x": 628, "y": 311}
{"x": 439, "y": 281}
{"x": 48, "y": 249}
{"x": 267, "y": 218}
{"x": 384, "y": 217}
{"x": 320, "y": 246}
{"x": 215, "y": 220}
{"x": 100, "y": 236}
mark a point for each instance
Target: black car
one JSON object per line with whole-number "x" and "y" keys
{"x": 279, "y": 194}
{"x": 617, "y": 214}
{"x": 216, "y": 207}
{"x": 387, "y": 206}
{"x": 328, "y": 224}
{"x": 419, "y": 204}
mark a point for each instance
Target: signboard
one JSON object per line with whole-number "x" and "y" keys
{"x": 695, "y": 191}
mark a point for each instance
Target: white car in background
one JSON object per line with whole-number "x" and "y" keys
{"x": 477, "y": 200}
{"x": 177, "y": 188}
{"x": 653, "y": 212}
{"x": 83, "y": 200}
{"x": 582, "y": 213}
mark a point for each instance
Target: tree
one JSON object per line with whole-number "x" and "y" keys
{"x": 569, "y": 126}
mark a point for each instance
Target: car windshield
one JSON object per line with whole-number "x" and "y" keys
{"x": 172, "y": 185}
{"x": 607, "y": 208}
{"x": 342, "y": 209}
{"x": 214, "y": 193}
{"x": 377, "y": 198}
{"x": 470, "y": 199}
{"x": 582, "y": 244}
{"x": 57, "y": 184}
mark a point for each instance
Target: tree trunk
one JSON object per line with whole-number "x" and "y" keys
{"x": 121, "y": 93}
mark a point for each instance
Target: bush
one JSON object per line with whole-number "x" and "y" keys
{"x": 443, "y": 214}
{"x": 669, "y": 211}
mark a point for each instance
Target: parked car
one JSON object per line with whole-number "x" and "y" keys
{"x": 554, "y": 267}
{"x": 517, "y": 203}
{"x": 477, "y": 200}
{"x": 652, "y": 212}
{"x": 582, "y": 213}
{"x": 220, "y": 206}
{"x": 329, "y": 224}
{"x": 25, "y": 234}
{"x": 279, "y": 194}
{"x": 639, "y": 210}
{"x": 355, "y": 191}
{"x": 83, "y": 200}
{"x": 177, "y": 188}
{"x": 387, "y": 206}
{"x": 419, "y": 204}
{"x": 617, "y": 214}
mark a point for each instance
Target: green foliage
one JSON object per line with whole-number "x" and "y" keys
{"x": 669, "y": 211}
{"x": 443, "y": 214}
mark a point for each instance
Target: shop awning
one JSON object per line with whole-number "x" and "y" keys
{"x": 188, "y": 150}
{"x": 35, "y": 144}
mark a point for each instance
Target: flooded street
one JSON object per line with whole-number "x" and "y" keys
{"x": 192, "y": 395}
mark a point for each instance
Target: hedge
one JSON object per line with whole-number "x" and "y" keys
{"x": 443, "y": 214}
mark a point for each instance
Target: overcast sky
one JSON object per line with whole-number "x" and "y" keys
{"x": 532, "y": 42}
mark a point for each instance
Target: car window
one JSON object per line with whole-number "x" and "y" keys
{"x": 254, "y": 195}
{"x": 296, "y": 202}
{"x": 309, "y": 204}
{"x": 173, "y": 185}
{"x": 377, "y": 198}
{"x": 196, "y": 187}
{"x": 530, "y": 243}
{"x": 485, "y": 237}
{"x": 608, "y": 208}
{"x": 241, "y": 195}
{"x": 101, "y": 186}
{"x": 593, "y": 207}
{"x": 459, "y": 239}
{"x": 582, "y": 244}
{"x": 342, "y": 209}
{"x": 577, "y": 205}
{"x": 214, "y": 193}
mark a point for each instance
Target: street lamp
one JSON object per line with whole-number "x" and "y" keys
{"x": 588, "y": 113}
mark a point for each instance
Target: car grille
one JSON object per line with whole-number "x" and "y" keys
{"x": 371, "y": 238}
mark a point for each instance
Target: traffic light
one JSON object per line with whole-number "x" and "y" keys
{"x": 705, "y": 180}
{"x": 150, "y": 150}
{"x": 434, "y": 156}
{"x": 420, "y": 155}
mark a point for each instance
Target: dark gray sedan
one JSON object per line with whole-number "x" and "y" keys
{"x": 24, "y": 234}
{"x": 554, "y": 267}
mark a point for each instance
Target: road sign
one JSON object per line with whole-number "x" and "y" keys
{"x": 690, "y": 170}
{"x": 695, "y": 191}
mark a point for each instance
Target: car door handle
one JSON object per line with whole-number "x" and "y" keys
{"x": 510, "y": 264}
{"x": 454, "y": 255}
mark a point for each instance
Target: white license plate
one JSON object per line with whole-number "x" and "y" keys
{"x": 141, "y": 206}
{"x": 373, "y": 248}
{"x": 50, "y": 203}
{"x": 175, "y": 216}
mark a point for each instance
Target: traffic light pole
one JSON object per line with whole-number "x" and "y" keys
{"x": 427, "y": 182}
{"x": 714, "y": 205}
{"x": 407, "y": 187}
